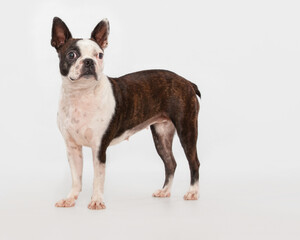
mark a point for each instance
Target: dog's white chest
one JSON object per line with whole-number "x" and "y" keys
{"x": 84, "y": 115}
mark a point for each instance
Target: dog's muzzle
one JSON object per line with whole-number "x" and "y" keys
{"x": 88, "y": 68}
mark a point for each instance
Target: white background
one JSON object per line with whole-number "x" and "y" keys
{"x": 244, "y": 57}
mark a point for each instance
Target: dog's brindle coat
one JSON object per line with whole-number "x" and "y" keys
{"x": 159, "y": 98}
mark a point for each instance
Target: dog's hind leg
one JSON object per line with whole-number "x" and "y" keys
{"x": 187, "y": 131}
{"x": 163, "y": 134}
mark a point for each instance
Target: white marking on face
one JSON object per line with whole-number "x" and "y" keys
{"x": 88, "y": 49}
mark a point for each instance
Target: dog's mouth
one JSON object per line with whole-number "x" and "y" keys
{"x": 86, "y": 74}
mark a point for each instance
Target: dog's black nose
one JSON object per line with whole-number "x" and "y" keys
{"x": 88, "y": 62}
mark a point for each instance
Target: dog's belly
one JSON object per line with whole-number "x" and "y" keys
{"x": 89, "y": 133}
{"x": 132, "y": 131}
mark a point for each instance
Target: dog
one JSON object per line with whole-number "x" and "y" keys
{"x": 98, "y": 111}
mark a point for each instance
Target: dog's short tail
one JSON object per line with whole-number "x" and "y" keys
{"x": 196, "y": 89}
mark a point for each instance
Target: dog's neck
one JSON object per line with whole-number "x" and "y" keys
{"x": 82, "y": 87}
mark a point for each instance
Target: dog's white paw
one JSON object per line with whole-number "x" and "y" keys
{"x": 191, "y": 195}
{"x": 96, "y": 205}
{"x": 161, "y": 193}
{"x": 67, "y": 202}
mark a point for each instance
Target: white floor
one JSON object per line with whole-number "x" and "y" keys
{"x": 237, "y": 200}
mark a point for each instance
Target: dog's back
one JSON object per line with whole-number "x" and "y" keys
{"x": 147, "y": 94}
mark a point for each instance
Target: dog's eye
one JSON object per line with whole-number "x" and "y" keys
{"x": 71, "y": 55}
{"x": 100, "y": 55}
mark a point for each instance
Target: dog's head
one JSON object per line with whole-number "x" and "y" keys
{"x": 80, "y": 59}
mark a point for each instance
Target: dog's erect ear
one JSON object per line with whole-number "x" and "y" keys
{"x": 100, "y": 33}
{"x": 60, "y": 33}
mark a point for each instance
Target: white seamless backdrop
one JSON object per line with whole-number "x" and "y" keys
{"x": 244, "y": 57}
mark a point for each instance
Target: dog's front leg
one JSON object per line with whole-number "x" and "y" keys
{"x": 98, "y": 185}
{"x": 76, "y": 163}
